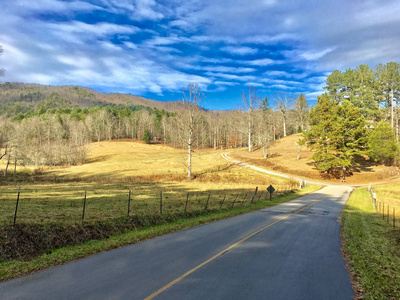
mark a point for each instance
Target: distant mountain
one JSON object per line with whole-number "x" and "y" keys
{"x": 32, "y": 94}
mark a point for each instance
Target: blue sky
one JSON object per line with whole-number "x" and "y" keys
{"x": 155, "y": 48}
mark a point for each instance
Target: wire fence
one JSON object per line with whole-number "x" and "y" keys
{"x": 389, "y": 208}
{"x": 94, "y": 206}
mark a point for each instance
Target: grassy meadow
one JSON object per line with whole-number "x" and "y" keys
{"x": 114, "y": 168}
{"x": 371, "y": 246}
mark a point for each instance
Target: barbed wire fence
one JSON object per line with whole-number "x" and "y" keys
{"x": 385, "y": 208}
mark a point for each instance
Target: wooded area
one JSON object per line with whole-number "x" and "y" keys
{"x": 351, "y": 119}
{"x": 44, "y": 125}
{"x": 53, "y": 130}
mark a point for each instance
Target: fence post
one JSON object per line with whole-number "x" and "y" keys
{"x": 383, "y": 210}
{"x": 394, "y": 218}
{"x": 255, "y": 192}
{"x": 161, "y": 202}
{"x": 259, "y": 197}
{"x": 129, "y": 202}
{"x": 205, "y": 208}
{"x": 84, "y": 207}
{"x": 222, "y": 203}
{"x": 16, "y": 206}
{"x": 233, "y": 203}
{"x": 244, "y": 199}
{"x": 388, "y": 215}
{"x": 187, "y": 199}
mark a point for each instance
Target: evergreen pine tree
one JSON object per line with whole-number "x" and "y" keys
{"x": 338, "y": 134}
{"x": 382, "y": 144}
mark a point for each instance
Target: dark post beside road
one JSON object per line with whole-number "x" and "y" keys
{"x": 254, "y": 195}
{"x": 84, "y": 206}
{"x": 16, "y": 206}
{"x": 222, "y": 203}
{"x": 187, "y": 199}
{"x": 161, "y": 202}
{"x": 129, "y": 202}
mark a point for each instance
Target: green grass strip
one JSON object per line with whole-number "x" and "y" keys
{"x": 17, "y": 268}
{"x": 372, "y": 249}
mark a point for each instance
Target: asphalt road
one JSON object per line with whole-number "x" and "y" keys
{"x": 289, "y": 251}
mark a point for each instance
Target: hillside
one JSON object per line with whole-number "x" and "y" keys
{"x": 32, "y": 94}
{"x": 283, "y": 158}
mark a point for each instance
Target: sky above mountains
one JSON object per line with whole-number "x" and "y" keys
{"x": 155, "y": 48}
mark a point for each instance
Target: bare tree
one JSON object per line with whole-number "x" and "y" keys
{"x": 301, "y": 108}
{"x": 283, "y": 103}
{"x": 189, "y": 117}
{"x": 251, "y": 103}
{"x": 5, "y": 153}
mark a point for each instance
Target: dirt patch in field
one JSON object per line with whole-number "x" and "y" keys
{"x": 283, "y": 158}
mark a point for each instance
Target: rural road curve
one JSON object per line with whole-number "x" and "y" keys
{"x": 289, "y": 251}
{"x": 242, "y": 164}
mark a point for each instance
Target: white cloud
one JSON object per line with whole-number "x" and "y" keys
{"x": 231, "y": 76}
{"x": 254, "y": 84}
{"x": 239, "y": 50}
{"x": 284, "y": 74}
{"x": 27, "y": 7}
{"x": 260, "y": 62}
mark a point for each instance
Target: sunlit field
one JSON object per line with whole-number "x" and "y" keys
{"x": 148, "y": 171}
{"x": 389, "y": 194}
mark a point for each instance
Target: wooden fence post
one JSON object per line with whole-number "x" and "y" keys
{"x": 255, "y": 192}
{"x": 186, "y": 203}
{"x": 233, "y": 203}
{"x": 16, "y": 206}
{"x": 84, "y": 207}
{"x": 245, "y": 196}
{"x": 222, "y": 203}
{"x": 383, "y": 210}
{"x": 388, "y": 215}
{"x": 394, "y": 218}
{"x": 205, "y": 208}
{"x": 259, "y": 197}
{"x": 161, "y": 202}
{"x": 129, "y": 202}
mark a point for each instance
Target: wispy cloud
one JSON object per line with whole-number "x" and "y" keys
{"x": 239, "y": 50}
{"x": 151, "y": 47}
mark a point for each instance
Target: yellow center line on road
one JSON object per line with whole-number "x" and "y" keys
{"x": 158, "y": 292}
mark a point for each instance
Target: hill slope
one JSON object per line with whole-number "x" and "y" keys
{"x": 283, "y": 158}
{"x": 32, "y": 94}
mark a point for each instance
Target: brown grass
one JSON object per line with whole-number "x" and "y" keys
{"x": 114, "y": 168}
{"x": 283, "y": 158}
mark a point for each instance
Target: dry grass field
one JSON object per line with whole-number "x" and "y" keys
{"x": 114, "y": 168}
{"x": 283, "y": 158}
{"x": 388, "y": 194}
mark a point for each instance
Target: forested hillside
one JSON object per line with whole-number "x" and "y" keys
{"x": 45, "y": 125}
{"x": 18, "y": 98}
{"x": 357, "y": 116}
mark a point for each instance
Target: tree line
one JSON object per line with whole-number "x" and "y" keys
{"x": 55, "y": 132}
{"x": 357, "y": 117}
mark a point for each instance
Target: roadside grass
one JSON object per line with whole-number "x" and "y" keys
{"x": 16, "y": 268}
{"x": 371, "y": 247}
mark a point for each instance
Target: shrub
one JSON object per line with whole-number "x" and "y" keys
{"x": 382, "y": 144}
{"x": 146, "y": 136}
